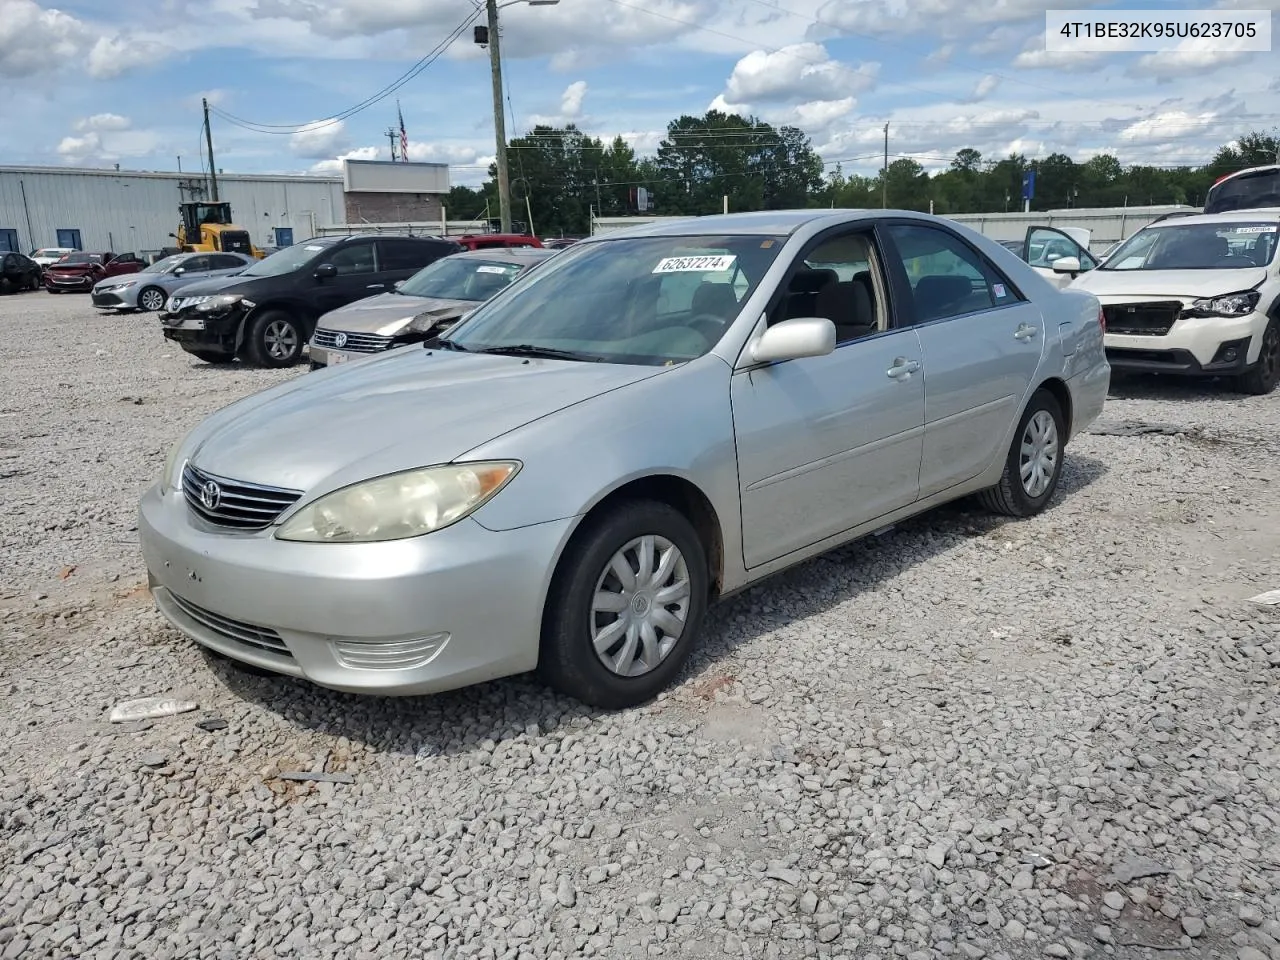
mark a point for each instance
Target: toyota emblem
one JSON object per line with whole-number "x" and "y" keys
{"x": 210, "y": 495}
{"x": 340, "y": 340}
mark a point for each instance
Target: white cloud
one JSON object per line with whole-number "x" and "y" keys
{"x": 113, "y": 56}
{"x": 984, "y": 88}
{"x": 77, "y": 149}
{"x": 1165, "y": 127}
{"x": 451, "y": 153}
{"x": 571, "y": 102}
{"x": 35, "y": 40}
{"x": 820, "y": 114}
{"x": 1034, "y": 56}
{"x": 802, "y": 71}
{"x": 1175, "y": 64}
{"x": 103, "y": 121}
{"x": 333, "y": 165}
{"x": 322, "y": 138}
{"x": 944, "y": 19}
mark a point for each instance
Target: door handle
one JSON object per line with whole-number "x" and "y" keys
{"x": 1025, "y": 331}
{"x": 902, "y": 368}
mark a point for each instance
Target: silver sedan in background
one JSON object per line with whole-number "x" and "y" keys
{"x": 651, "y": 420}
{"x": 150, "y": 288}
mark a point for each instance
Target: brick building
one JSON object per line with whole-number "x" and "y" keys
{"x": 378, "y": 191}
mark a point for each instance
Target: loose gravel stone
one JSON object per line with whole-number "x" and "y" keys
{"x": 969, "y": 737}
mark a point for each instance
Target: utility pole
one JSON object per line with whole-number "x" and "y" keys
{"x": 208, "y": 139}
{"x": 884, "y": 180}
{"x": 499, "y": 119}
{"x": 394, "y": 137}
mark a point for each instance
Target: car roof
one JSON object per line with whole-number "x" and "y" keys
{"x": 766, "y": 223}
{"x": 1230, "y": 216}
{"x": 505, "y": 254}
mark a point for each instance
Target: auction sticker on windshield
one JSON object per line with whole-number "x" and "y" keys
{"x": 1261, "y": 228}
{"x": 486, "y": 268}
{"x": 710, "y": 264}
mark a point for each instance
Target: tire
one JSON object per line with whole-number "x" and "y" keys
{"x": 1262, "y": 377}
{"x": 568, "y": 661}
{"x": 147, "y": 299}
{"x": 1013, "y": 496}
{"x": 268, "y": 337}
{"x": 211, "y": 356}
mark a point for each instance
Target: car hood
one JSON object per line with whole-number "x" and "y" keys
{"x": 389, "y": 313}
{"x": 405, "y": 409}
{"x": 1113, "y": 285}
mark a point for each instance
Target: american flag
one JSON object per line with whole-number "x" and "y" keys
{"x": 404, "y": 137}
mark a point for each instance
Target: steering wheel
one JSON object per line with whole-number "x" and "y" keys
{"x": 709, "y": 325}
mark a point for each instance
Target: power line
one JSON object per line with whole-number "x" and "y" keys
{"x": 289, "y": 129}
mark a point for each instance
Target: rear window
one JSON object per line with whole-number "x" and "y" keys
{"x": 1245, "y": 191}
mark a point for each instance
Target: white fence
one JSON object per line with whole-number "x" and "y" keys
{"x": 1106, "y": 225}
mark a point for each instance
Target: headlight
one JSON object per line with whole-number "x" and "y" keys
{"x": 171, "y": 467}
{"x": 223, "y": 302}
{"x": 1232, "y": 305}
{"x": 400, "y": 505}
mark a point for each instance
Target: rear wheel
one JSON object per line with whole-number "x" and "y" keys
{"x": 151, "y": 299}
{"x": 1263, "y": 376}
{"x": 625, "y": 606}
{"x": 1034, "y": 462}
{"x": 274, "y": 339}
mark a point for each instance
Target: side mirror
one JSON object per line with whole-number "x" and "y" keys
{"x": 1066, "y": 265}
{"x": 179, "y": 271}
{"x": 398, "y": 284}
{"x": 325, "y": 271}
{"x": 794, "y": 339}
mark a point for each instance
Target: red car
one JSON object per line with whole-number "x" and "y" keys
{"x": 80, "y": 271}
{"x": 495, "y": 241}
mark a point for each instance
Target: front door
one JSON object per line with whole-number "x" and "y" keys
{"x": 357, "y": 278}
{"x": 981, "y": 342}
{"x": 1044, "y": 245}
{"x": 828, "y": 443}
{"x": 70, "y": 238}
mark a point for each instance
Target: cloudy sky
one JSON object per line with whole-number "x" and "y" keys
{"x": 100, "y": 83}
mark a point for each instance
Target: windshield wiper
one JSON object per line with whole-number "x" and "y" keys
{"x": 443, "y": 344}
{"x": 530, "y": 350}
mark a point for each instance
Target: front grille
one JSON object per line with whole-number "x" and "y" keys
{"x": 355, "y": 342}
{"x": 1142, "y": 319}
{"x": 246, "y": 634}
{"x": 233, "y": 503}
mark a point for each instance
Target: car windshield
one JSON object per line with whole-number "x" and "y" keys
{"x": 49, "y": 252}
{"x": 1197, "y": 246}
{"x": 460, "y": 279}
{"x": 289, "y": 259}
{"x": 81, "y": 258}
{"x": 642, "y": 300}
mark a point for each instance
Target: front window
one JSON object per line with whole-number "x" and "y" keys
{"x": 1199, "y": 246}
{"x": 455, "y": 279}
{"x": 648, "y": 300}
{"x": 81, "y": 258}
{"x": 287, "y": 260}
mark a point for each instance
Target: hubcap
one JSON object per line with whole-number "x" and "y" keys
{"x": 281, "y": 340}
{"x": 640, "y": 606}
{"x": 1038, "y": 458}
{"x": 152, "y": 300}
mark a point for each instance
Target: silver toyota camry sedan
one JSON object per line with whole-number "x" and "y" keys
{"x": 650, "y": 421}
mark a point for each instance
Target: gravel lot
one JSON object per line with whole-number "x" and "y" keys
{"x": 968, "y": 737}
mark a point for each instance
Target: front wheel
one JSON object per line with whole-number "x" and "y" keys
{"x": 625, "y": 606}
{"x": 274, "y": 339}
{"x": 1033, "y": 465}
{"x": 151, "y": 299}
{"x": 1263, "y": 376}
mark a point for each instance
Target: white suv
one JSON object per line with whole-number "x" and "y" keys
{"x": 1197, "y": 296}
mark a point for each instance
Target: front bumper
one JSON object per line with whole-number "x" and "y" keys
{"x": 70, "y": 284}
{"x": 1200, "y": 346}
{"x": 115, "y": 300}
{"x": 215, "y": 331}
{"x": 456, "y": 607}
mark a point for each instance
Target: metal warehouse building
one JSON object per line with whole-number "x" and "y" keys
{"x": 125, "y": 211}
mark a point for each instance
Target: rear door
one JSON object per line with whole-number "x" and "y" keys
{"x": 224, "y": 264}
{"x": 399, "y": 258}
{"x": 1044, "y": 245}
{"x": 981, "y": 341}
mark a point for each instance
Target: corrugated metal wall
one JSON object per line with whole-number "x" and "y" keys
{"x": 135, "y": 212}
